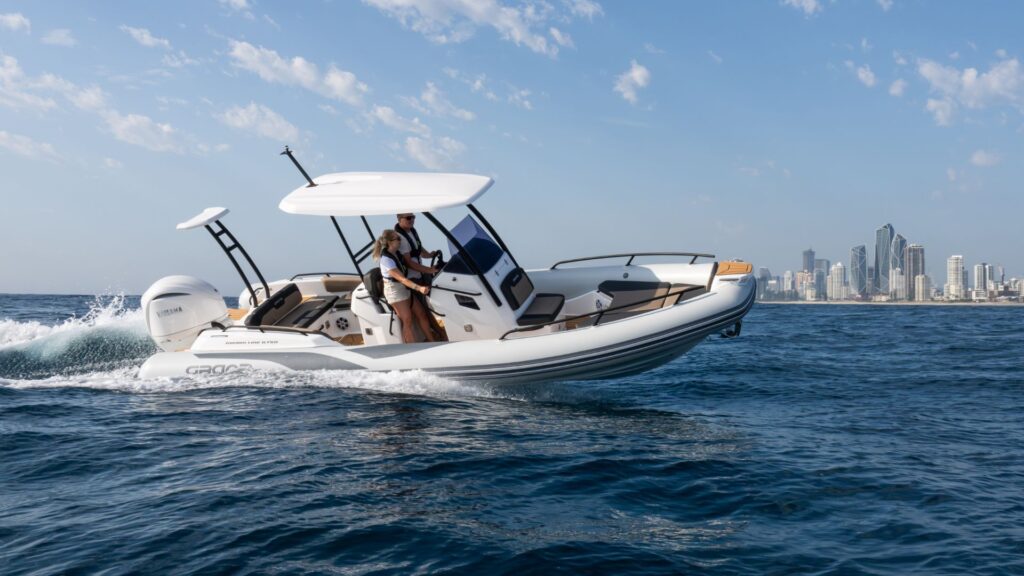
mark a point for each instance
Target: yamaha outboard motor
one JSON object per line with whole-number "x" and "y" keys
{"x": 178, "y": 308}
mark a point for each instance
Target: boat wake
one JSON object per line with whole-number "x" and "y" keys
{"x": 108, "y": 336}
{"x": 104, "y": 348}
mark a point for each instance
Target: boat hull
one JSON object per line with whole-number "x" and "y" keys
{"x": 615, "y": 349}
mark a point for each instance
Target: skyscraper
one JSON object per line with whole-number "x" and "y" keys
{"x": 808, "y": 260}
{"x": 980, "y": 278}
{"x": 955, "y": 278}
{"x": 837, "y": 288}
{"x": 858, "y": 271}
{"x": 883, "y": 252}
{"x": 914, "y": 268}
{"x": 922, "y": 288}
{"x": 897, "y": 255}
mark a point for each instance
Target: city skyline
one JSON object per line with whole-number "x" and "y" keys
{"x": 903, "y": 276}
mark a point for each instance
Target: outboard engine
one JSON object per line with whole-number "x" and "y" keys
{"x": 178, "y": 308}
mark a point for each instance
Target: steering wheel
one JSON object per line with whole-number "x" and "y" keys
{"x": 437, "y": 260}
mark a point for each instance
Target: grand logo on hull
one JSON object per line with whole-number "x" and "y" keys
{"x": 215, "y": 369}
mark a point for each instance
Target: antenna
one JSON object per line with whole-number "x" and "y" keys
{"x": 287, "y": 152}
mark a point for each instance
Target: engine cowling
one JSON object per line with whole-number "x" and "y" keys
{"x": 178, "y": 308}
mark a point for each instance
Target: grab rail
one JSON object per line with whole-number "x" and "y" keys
{"x": 694, "y": 255}
{"x": 328, "y": 274}
{"x": 265, "y": 329}
{"x": 600, "y": 313}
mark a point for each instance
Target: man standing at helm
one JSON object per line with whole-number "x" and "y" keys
{"x": 412, "y": 252}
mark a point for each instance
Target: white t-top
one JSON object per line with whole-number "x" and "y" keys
{"x": 377, "y": 193}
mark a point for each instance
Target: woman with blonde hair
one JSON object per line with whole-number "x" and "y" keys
{"x": 397, "y": 287}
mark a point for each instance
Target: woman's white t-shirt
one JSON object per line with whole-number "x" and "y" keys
{"x": 386, "y": 266}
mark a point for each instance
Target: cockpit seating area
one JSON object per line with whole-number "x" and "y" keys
{"x": 287, "y": 308}
{"x": 639, "y": 296}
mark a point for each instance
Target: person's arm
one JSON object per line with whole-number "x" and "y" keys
{"x": 397, "y": 276}
{"x": 410, "y": 263}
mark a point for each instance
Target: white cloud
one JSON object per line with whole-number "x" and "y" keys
{"x": 631, "y": 80}
{"x": 951, "y": 174}
{"x": 179, "y": 60}
{"x": 454, "y": 21}
{"x": 586, "y": 8}
{"x": 1003, "y": 83}
{"x": 59, "y": 37}
{"x": 476, "y": 83}
{"x": 260, "y": 120}
{"x": 885, "y": 4}
{"x": 388, "y": 117}
{"x": 15, "y": 21}
{"x": 897, "y": 87}
{"x": 112, "y": 164}
{"x": 432, "y": 101}
{"x": 809, "y": 7}
{"x": 899, "y": 58}
{"x": 866, "y": 76}
{"x": 145, "y": 38}
{"x": 652, "y": 49}
{"x": 90, "y": 99}
{"x": 336, "y": 84}
{"x": 520, "y": 98}
{"x": 1001, "y": 53}
{"x": 715, "y": 57}
{"x": 20, "y": 91}
{"x": 942, "y": 110}
{"x": 141, "y": 130}
{"x": 865, "y": 46}
{"x": 17, "y": 90}
{"x": 240, "y": 6}
{"x": 27, "y": 147}
{"x": 437, "y": 154}
{"x": 985, "y": 158}
{"x": 561, "y": 38}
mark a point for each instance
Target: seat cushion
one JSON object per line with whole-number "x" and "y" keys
{"x": 544, "y": 308}
{"x": 271, "y": 310}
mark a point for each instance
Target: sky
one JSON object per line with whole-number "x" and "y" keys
{"x": 749, "y": 130}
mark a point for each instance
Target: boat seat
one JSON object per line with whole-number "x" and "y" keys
{"x": 640, "y": 296}
{"x": 340, "y": 283}
{"x": 544, "y": 308}
{"x": 271, "y": 310}
{"x": 373, "y": 281}
{"x": 305, "y": 314}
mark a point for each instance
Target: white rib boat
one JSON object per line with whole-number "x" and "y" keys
{"x": 584, "y": 318}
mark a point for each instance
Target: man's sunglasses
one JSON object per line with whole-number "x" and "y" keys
{"x": 408, "y": 217}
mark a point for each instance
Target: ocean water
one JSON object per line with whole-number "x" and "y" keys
{"x": 825, "y": 439}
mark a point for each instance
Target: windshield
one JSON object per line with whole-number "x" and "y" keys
{"x": 484, "y": 250}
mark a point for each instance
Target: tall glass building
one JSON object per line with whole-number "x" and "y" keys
{"x": 956, "y": 278}
{"x": 808, "y": 260}
{"x": 897, "y": 260}
{"x": 914, "y": 267}
{"x": 883, "y": 253}
{"x": 858, "y": 271}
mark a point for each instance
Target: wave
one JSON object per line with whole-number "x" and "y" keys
{"x": 109, "y": 336}
{"x": 126, "y": 379}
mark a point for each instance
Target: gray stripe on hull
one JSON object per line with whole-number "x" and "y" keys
{"x": 664, "y": 340}
{"x": 668, "y": 347}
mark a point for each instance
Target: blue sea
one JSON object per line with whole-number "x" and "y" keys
{"x": 823, "y": 440}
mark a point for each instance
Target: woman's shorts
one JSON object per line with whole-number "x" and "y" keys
{"x": 395, "y": 292}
